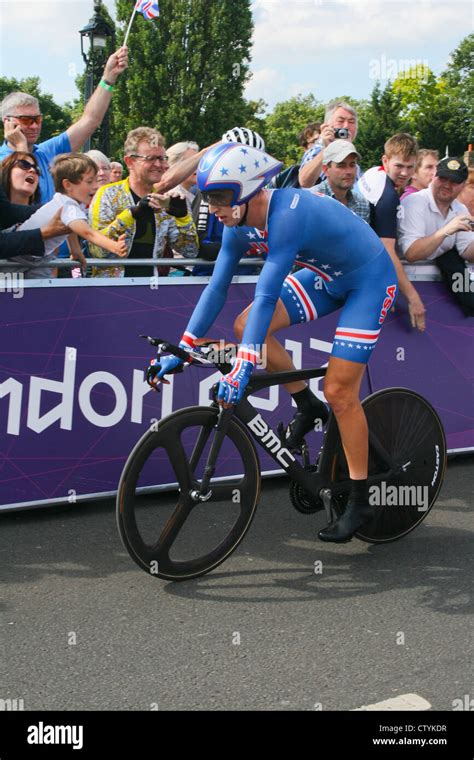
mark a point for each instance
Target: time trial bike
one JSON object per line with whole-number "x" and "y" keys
{"x": 208, "y": 457}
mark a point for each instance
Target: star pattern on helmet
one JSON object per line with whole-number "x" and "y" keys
{"x": 243, "y": 169}
{"x": 224, "y": 172}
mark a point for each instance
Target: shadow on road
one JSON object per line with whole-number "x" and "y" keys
{"x": 272, "y": 565}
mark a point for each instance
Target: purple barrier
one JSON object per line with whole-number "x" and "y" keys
{"x": 73, "y": 401}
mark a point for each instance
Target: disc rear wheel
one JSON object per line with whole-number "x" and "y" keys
{"x": 407, "y": 451}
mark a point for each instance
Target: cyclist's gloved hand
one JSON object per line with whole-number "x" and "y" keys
{"x": 138, "y": 210}
{"x": 167, "y": 365}
{"x": 159, "y": 368}
{"x": 232, "y": 386}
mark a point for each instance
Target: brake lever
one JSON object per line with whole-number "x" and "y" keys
{"x": 162, "y": 345}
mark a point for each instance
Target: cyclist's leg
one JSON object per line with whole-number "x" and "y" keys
{"x": 277, "y": 359}
{"x": 370, "y": 295}
{"x": 303, "y": 299}
{"x": 342, "y": 389}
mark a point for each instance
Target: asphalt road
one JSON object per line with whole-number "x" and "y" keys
{"x": 82, "y": 627}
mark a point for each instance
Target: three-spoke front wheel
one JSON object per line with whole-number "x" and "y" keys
{"x": 170, "y": 533}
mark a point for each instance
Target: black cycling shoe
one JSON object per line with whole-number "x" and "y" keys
{"x": 342, "y": 530}
{"x": 304, "y": 422}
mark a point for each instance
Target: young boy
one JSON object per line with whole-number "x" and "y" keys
{"x": 75, "y": 181}
{"x": 382, "y": 186}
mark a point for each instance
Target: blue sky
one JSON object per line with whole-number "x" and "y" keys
{"x": 327, "y": 47}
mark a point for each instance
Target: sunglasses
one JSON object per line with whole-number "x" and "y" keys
{"x": 150, "y": 159}
{"x": 27, "y": 121}
{"x": 24, "y": 164}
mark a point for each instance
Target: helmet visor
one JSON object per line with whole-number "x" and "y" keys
{"x": 218, "y": 197}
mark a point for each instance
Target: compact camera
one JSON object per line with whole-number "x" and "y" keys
{"x": 341, "y": 134}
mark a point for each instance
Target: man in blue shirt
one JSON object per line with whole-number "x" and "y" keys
{"x": 22, "y": 111}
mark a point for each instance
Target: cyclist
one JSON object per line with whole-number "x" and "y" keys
{"x": 208, "y": 227}
{"x": 355, "y": 273}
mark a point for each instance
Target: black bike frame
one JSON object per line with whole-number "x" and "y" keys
{"x": 258, "y": 430}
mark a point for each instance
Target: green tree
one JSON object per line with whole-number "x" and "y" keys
{"x": 378, "y": 120}
{"x": 431, "y": 111}
{"x": 56, "y": 118}
{"x": 284, "y": 125}
{"x": 187, "y": 69}
{"x": 460, "y": 70}
{"x": 253, "y": 117}
{"x": 458, "y": 80}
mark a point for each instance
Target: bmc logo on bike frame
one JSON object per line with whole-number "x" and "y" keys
{"x": 387, "y": 303}
{"x": 270, "y": 441}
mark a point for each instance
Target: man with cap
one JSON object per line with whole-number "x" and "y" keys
{"x": 435, "y": 226}
{"x": 340, "y": 167}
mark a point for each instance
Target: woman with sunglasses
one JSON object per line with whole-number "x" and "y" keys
{"x": 20, "y": 178}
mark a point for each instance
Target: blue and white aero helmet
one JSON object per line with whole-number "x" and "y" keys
{"x": 244, "y": 136}
{"x": 236, "y": 167}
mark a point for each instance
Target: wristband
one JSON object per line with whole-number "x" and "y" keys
{"x": 106, "y": 85}
{"x": 188, "y": 342}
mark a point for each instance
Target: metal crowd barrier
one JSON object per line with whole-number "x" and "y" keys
{"x": 422, "y": 270}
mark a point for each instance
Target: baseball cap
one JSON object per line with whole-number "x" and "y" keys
{"x": 453, "y": 169}
{"x": 338, "y": 150}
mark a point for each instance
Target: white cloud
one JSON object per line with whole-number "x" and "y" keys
{"x": 263, "y": 81}
{"x": 320, "y": 46}
{"x": 294, "y": 31}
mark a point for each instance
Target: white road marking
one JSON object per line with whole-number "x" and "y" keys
{"x": 404, "y": 702}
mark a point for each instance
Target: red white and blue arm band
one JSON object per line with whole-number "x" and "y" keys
{"x": 188, "y": 342}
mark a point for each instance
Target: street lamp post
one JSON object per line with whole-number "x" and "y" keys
{"x": 97, "y": 31}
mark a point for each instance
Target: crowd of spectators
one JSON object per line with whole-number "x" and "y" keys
{"x": 422, "y": 208}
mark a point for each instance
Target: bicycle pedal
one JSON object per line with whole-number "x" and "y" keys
{"x": 283, "y": 432}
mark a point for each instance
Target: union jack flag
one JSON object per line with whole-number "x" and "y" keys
{"x": 148, "y": 8}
